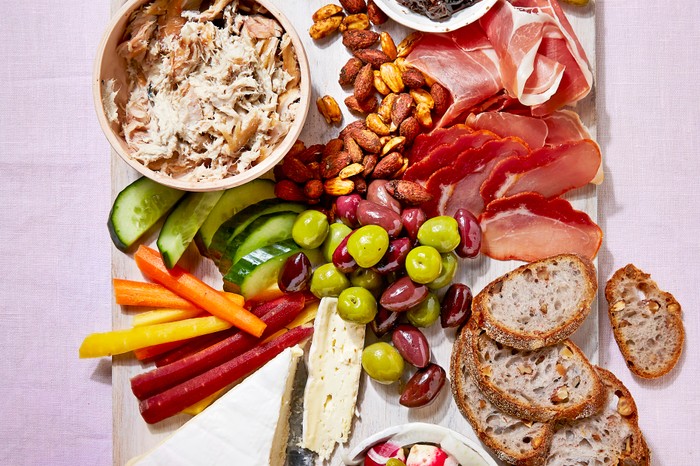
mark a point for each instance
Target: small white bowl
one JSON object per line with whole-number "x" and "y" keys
{"x": 465, "y": 451}
{"x": 109, "y": 65}
{"x": 413, "y": 20}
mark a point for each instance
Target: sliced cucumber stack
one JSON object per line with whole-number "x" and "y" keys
{"x": 263, "y": 231}
{"x": 232, "y": 201}
{"x": 137, "y": 208}
{"x": 183, "y": 223}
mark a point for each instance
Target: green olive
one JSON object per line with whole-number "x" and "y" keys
{"x": 327, "y": 280}
{"x": 423, "y": 264}
{"x": 426, "y": 313}
{"x": 356, "y": 304}
{"x": 336, "y": 234}
{"x": 440, "y": 232}
{"x": 368, "y": 244}
{"x": 368, "y": 279}
{"x": 450, "y": 264}
{"x": 382, "y": 362}
{"x": 395, "y": 462}
{"x": 310, "y": 229}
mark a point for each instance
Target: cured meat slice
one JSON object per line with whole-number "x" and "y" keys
{"x": 426, "y": 142}
{"x": 446, "y": 155}
{"x": 550, "y": 171}
{"x": 457, "y": 186}
{"x": 531, "y": 130}
{"x": 529, "y": 227}
{"x": 465, "y": 66}
{"x": 564, "y": 126}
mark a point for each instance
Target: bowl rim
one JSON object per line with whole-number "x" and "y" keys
{"x": 353, "y": 457}
{"x": 239, "y": 179}
{"x": 411, "y": 19}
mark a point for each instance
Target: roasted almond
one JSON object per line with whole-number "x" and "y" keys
{"x": 338, "y": 187}
{"x": 387, "y": 166}
{"x": 289, "y": 191}
{"x": 366, "y": 106}
{"x": 364, "y": 83}
{"x": 332, "y": 147}
{"x": 315, "y": 169}
{"x": 352, "y": 127}
{"x": 326, "y": 12}
{"x": 408, "y": 192}
{"x": 360, "y": 184}
{"x": 372, "y": 56}
{"x": 402, "y": 108}
{"x": 369, "y": 162}
{"x": 296, "y": 149}
{"x": 392, "y": 76}
{"x": 353, "y": 149}
{"x": 349, "y": 71}
{"x": 313, "y": 189}
{"x": 441, "y": 97}
{"x": 356, "y": 39}
{"x": 331, "y": 166}
{"x": 388, "y": 46}
{"x": 354, "y": 22}
{"x": 295, "y": 170}
{"x": 354, "y": 6}
{"x": 368, "y": 140}
{"x": 311, "y": 153}
{"x": 406, "y": 45}
{"x": 375, "y": 14}
{"x": 413, "y": 79}
{"x": 325, "y": 27}
{"x": 409, "y": 128}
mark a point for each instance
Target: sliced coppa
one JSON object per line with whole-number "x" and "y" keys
{"x": 457, "y": 186}
{"x": 537, "y": 304}
{"x": 552, "y": 383}
{"x": 529, "y": 227}
{"x": 531, "y": 130}
{"x": 426, "y": 142}
{"x": 445, "y": 154}
{"x": 550, "y": 171}
{"x": 609, "y": 437}
{"x": 514, "y": 440}
{"x": 646, "y": 322}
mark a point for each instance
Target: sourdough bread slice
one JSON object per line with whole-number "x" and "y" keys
{"x": 538, "y": 304}
{"x": 609, "y": 437}
{"x": 646, "y": 322}
{"x": 513, "y": 440}
{"x": 551, "y": 383}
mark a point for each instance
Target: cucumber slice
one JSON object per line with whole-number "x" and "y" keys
{"x": 257, "y": 271}
{"x": 182, "y": 224}
{"x": 232, "y": 201}
{"x": 239, "y": 222}
{"x": 137, "y": 208}
{"x": 263, "y": 231}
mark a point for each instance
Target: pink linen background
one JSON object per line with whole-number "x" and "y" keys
{"x": 54, "y": 199}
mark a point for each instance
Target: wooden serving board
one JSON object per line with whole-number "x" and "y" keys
{"x": 378, "y": 405}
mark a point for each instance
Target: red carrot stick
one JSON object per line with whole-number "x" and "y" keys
{"x": 175, "y": 399}
{"x": 150, "y": 352}
{"x": 162, "y": 378}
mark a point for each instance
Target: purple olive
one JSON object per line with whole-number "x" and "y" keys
{"x": 295, "y": 274}
{"x": 342, "y": 258}
{"x": 384, "y": 322}
{"x": 395, "y": 257}
{"x": 469, "y": 232}
{"x": 423, "y": 386}
{"x": 369, "y": 213}
{"x": 412, "y": 220}
{"x": 346, "y": 209}
{"x": 377, "y": 193}
{"x": 411, "y": 345}
{"x": 403, "y": 294}
{"x": 456, "y": 307}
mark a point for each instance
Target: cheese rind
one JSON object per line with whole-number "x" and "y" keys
{"x": 334, "y": 366}
{"x": 244, "y": 426}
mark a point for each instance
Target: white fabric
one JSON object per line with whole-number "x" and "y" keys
{"x": 55, "y": 197}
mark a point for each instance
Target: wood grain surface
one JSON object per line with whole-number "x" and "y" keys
{"x": 378, "y": 405}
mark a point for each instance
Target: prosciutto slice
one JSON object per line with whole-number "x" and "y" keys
{"x": 426, "y": 142}
{"x": 457, "y": 186}
{"x": 445, "y": 155}
{"x": 533, "y": 131}
{"x": 529, "y": 227}
{"x": 564, "y": 126}
{"x": 550, "y": 171}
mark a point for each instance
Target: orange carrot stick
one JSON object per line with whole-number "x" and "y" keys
{"x": 190, "y": 287}
{"x": 131, "y": 293}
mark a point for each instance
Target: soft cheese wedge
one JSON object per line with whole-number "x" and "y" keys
{"x": 335, "y": 365}
{"x": 247, "y": 426}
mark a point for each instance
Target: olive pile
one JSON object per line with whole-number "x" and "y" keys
{"x": 385, "y": 262}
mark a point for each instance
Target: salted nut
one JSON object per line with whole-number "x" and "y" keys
{"x": 394, "y": 144}
{"x": 325, "y": 27}
{"x": 379, "y": 84}
{"x": 391, "y": 74}
{"x": 357, "y": 21}
{"x": 387, "y": 104}
{"x": 351, "y": 170}
{"x": 421, "y": 96}
{"x": 406, "y": 46}
{"x": 423, "y": 116}
{"x": 388, "y": 45}
{"x": 338, "y": 187}
{"x": 329, "y": 109}
{"x": 326, "y": 12}
{"x": 376, "y": 125}
{"x": 624, "y": 406}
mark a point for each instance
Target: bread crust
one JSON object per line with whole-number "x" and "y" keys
{"x": 466, "y": 406}
{"x": 536, "y": 338}
{"x": 668, "y": 307}
{"x": 546, "y": 411}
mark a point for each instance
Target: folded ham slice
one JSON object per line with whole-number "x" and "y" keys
{"x": 529, "y": 227}
{"x": 533, "y": 131}
{"x": 549, "y": 171}
{"x": 564, "y": 126}
{"x": 457, "y": 186}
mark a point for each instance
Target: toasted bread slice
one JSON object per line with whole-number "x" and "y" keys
{"x": 646, "y": 322}
{"x": 538, "y": 304}
{"x": 609, "y": 437}
{"x": 513, "y": 440}
{"x": 551, "y": 383}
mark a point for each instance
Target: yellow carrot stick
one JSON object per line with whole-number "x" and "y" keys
{"x": 201, "y": 405}
{"x": 121, "y": 341}
{"x": 162, "y": 316}
{"x": 306, "y": 316}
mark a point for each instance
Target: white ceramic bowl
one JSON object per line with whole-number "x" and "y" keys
{"x": 466, "y": 451}
{"x": 409, "y": 18}
{"x": 108, "y": 65}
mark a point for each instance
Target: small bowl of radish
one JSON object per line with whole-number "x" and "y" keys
{"x": 418, "y": 444}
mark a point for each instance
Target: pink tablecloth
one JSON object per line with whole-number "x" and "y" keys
{"x": 54, "y": 200}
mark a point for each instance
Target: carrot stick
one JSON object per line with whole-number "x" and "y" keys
{"x": 175, "y": 399}
{"x": 131, "y": 293}
{"x": 122, "y": 341}
{"x": 161, "y": 316}
{"x": 150, "y": 352}
{"x": 162, "y": 378}
{"x": 190, "y": 287}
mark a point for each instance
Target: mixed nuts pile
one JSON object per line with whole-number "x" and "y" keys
{"x": 372, "y": 148}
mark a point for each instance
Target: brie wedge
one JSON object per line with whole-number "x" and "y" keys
{"x": 335, "y": 365}
{"x": 246, "y": 426}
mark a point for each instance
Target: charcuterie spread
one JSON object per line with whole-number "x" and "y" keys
{"x": 324, "y": 287}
